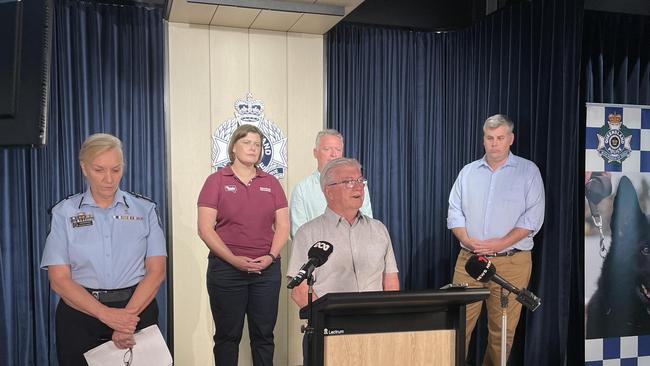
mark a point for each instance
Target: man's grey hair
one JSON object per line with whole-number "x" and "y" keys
{"x": 327, "y": 132}
{"x": 327, "y": 175}
{"x": 497, "y": 121}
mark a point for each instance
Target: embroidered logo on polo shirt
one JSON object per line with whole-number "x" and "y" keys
{"x": 231, "y": 188}
{"x": 265, "y": 189}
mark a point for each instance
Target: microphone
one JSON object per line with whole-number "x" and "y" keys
{"x": 481, "y": 269}
{"x": 318, "y": 254}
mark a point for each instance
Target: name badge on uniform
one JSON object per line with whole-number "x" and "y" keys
{"x": 128, "y": 217}
{"x": 231, "y": 188}
{"x": 265, "y": 189}
{"x": 82, "y": 219}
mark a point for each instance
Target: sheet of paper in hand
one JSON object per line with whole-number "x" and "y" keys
{"x": 150, "y": 350}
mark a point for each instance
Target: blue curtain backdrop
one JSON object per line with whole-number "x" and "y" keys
{"x": 616, "y": 58}
{"x": 107, "y": 76}
{"x": 411, "y": 106}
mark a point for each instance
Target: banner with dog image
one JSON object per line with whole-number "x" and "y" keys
{"x": 617, "y": 234}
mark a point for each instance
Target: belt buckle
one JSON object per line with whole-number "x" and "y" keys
{"x": 95, "y": 294}
{"x": 512, "y": 252}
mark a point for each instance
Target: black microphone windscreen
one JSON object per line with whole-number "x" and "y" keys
{"x": 480, "y": 268}
{"x": 320, "y": 251}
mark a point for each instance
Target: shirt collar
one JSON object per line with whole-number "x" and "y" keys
{"x": 315, "y": 177}
{"x": 227, "y": 170}
{"x": 335, "y": 219}
{"x": 88, "y": 199}
{"x": 511, "y": 161}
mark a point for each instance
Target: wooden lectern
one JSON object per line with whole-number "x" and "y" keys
{"x": 390, "y": 328}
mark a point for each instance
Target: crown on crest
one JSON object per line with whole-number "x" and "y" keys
{"x": 614, "y": 118}
{"x": 249, "y": 110}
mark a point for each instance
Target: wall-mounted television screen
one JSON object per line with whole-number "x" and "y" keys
{"x": 25, "y": 39}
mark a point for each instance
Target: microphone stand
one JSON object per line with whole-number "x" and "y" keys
{"x": 504, "y": 324}
{"x": 309, "y": 329}
{"x": 310, "y": 293}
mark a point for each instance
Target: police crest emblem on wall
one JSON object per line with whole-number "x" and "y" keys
{"x": 274, "y": 144}
{"x": 614, "y": 140}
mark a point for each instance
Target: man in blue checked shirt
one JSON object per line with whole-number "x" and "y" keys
{"x": 496, "y": 206}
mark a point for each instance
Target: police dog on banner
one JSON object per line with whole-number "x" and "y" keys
{"x": 621, "y": 304}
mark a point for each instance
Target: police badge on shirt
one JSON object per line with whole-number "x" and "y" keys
{"x": 82, "y": 219}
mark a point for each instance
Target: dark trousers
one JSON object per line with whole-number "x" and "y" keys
{"x": 235, "y": 294}
{"x": 77, "y": 332}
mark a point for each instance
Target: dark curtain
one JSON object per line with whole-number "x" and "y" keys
{"x": 616, "y": 58}
{"x": 411, "y": 106}
{"x": 106, "y": 76}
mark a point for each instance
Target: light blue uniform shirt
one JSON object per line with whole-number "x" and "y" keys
{"x": 105, "y": 247}
{"x": 489, "y": 204}
{"x": 308, "y": 202}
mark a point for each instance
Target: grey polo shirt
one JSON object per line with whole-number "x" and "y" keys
{"x": 362, "y": 253}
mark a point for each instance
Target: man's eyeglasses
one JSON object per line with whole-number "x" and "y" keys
{"x": 128, "y": 357}
{"x": 350, "y": 183}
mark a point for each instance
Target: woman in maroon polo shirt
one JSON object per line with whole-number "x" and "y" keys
{"x": 244, "y": 221}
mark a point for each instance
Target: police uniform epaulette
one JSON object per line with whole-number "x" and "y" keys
{"x": 138, "y": 195}
{"x": 49, "y": 210}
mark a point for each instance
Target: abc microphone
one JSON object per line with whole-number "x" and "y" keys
{"x": 481, "y": 269}
{"x": 318, "y": 254}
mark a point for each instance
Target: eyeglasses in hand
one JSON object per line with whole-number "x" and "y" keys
{"x": 350, "y": 183}
{"x": 128, "y": 357}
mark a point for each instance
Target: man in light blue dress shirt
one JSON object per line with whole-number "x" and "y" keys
{"x": 307, "y": 199}
{"x": 496, "y": 206}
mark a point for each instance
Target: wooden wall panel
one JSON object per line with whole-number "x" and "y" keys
{"x": 209, "y": 68}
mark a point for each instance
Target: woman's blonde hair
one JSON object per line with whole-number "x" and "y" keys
{"x": 98, "y": 143}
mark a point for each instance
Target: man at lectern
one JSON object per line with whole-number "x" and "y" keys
{"x": 496, "y": 206}
{"x": 362, "y": 258}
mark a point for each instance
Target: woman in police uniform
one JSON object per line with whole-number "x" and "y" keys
{"x": 105, "y": 255}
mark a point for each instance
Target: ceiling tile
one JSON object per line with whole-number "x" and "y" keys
{"x": 348, "y": 4}
{"x": 184, "y": 12}
{"x": 315, "y": 23}
{"x": 231, "y": 16}
{"x": 275, "y": 20}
